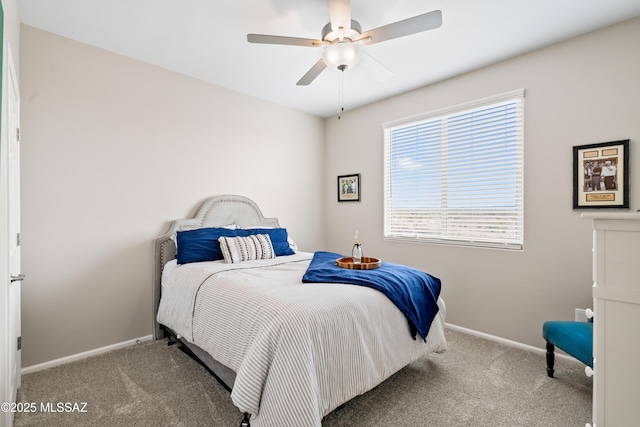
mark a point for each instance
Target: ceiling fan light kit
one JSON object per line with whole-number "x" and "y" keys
{"x": 342, "y": 55}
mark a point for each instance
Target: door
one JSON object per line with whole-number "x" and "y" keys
{"x": 13, "y": 171}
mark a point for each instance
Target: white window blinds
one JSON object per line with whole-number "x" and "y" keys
{"x": 455, "y": 176}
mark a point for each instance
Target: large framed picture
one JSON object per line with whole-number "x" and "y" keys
{"x": 349, "y": 188}
{"x": 601, "y": 175}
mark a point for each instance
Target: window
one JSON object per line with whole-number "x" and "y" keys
{"x": 455, "y": 176}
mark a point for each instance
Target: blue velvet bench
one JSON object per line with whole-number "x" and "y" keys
{"x": 574, "y": 338}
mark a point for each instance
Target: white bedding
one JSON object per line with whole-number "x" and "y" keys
{"x": 298, "y": 350}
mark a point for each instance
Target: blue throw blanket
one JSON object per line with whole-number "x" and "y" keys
{"x": 414, "y": 292}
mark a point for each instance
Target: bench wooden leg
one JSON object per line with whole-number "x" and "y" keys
{"x": 550, "y": 359}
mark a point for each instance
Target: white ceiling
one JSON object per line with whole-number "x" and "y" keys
{"x": 206, "y": 39}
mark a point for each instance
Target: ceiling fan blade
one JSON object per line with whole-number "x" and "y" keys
{"x": 374, "y": 67}
{"x": 340, "y": 15}
{"x": 290, "y": 41}
{"x": 314, "y": 72}
{"x": 417, "y": 24}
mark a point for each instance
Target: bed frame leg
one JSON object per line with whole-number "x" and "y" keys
{"x": 245, "y": 421}
{"x": 171, "y": 341}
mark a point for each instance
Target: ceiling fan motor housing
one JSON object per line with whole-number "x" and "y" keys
{"x": 353, "y": 33}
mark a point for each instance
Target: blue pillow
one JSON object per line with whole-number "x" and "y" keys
{"x": 279, "y": 238}
{"x": 201, "y": 244}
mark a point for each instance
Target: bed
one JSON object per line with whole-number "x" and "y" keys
{"x": 289, "y": 352}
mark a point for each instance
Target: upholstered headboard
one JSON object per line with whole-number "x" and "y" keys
{"x": 217, "y": 211}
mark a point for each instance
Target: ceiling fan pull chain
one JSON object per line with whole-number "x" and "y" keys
{"x": 341, "y": 94}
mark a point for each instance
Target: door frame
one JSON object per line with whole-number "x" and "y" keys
{"x": 10, "y": 356}
{"x": 12, "y": 133}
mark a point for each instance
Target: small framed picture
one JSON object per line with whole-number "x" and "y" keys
{"x": 349, "y": 188}
{"x": 601, "y": 175}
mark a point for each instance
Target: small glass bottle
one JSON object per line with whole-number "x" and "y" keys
{"x": 356, "y": 252}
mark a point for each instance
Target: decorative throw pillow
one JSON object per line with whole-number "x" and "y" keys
{"x": 249, "y": 248}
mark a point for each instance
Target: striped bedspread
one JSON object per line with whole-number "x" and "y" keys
{"x": 299, "y": 350}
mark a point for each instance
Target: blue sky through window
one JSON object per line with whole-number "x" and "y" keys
{"x": 477, "y": 152}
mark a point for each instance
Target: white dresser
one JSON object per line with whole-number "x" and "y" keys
{"x": 616, "y": 306}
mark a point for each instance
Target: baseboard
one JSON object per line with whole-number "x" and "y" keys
{"x": 101, "y": 350}
{"x": 509, "y": 342}
{"x": 83, "y": 355}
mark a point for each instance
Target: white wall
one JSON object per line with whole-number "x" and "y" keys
{"x": 581, "y": 91}
{"x": 113, "y": 149}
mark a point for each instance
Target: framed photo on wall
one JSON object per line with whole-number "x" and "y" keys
{"x": 349, "y": 188}
{"x": 601, "y": 175}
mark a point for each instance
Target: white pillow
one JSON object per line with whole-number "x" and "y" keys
{"x": 249, "y": 248}
{"x": 293, "y": 245}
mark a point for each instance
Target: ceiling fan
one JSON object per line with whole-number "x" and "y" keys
{"x": 342, "y": 38}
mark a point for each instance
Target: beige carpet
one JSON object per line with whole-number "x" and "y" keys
{"x": 475, "y": 383}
